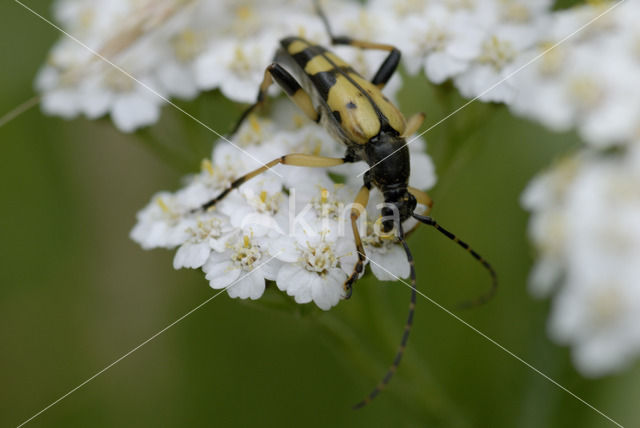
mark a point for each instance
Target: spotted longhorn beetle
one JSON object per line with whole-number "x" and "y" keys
{"x": 355, "y": 112}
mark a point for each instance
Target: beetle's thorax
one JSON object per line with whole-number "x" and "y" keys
{"x": 388, "y": 158}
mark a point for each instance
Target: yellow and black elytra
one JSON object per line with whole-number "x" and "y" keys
{"x": 355, "y": 112}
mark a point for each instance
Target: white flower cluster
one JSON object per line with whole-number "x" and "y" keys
{"x": 575, "y": 68}
{"x": 590, "y": 80}
{"x": 289, "y": 225}
{"x": 477, "y": 43}
{"x": 173, "y": 48}
{"x": 586, "y": 228}
{"x": 177, "y": 48}
{"x": 585, "y": 210}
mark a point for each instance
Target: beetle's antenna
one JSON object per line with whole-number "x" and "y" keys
{"x": 323, "y": 17}
{"x": 494, "y": 277}
{"x": 407, "y": 328}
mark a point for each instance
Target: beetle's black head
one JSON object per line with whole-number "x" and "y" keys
{"x": 399, "y": 206}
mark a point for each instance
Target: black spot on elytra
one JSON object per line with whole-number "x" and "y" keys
{"x": 351, "y": 105}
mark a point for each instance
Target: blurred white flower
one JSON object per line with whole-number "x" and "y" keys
{"x": 585, "y": 226}
{"x": 131, "y": 34}
{"x": 163, "y": 223}
{"x": 590, "y": 81}
{"x": 437, "y": 40}
{"x": 475, "y": 43}
{"x": 236, "y": 67}
{"x": 177, "y": 48}
{"x": 493, "y": 62}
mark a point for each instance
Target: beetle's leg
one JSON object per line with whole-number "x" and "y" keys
{"x": 267, "y": 81}
{"x": 390, "y": 63}
{"x": 294, "y": 159}
{"x": 423, "y": 199}
{"x": 388, "y": 66}
{"x": 287, "y": 82}
{"x": 359, "y": 205}
{"x": 413, "y": 124}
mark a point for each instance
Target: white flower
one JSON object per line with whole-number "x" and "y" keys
{"x": 126, "y": 33}
{"x": 243, "y": 267}
{"x": 597, "y": 314}
{"x": 518, "y": 26}
{"x": 208, "y": 232}
{"x": 130, "y": 109}
{"x": 236, "y": 67}
{"x": 259, "y": 206}
{"x": 181, "y": 47}
{"x": 585, "y": 227}
{"x": 176, "y": 74}
{"x": 475, "y": 43}
{"x": 485, "y": 78}
{"x": 388, "y": 259}
{"x": 423, "y": 171}
{"x": 589, "y": 81}
{"x": 163, "y": 223}
{"x": 325, "y": 199}
{"x": 439, "y": 40}
{"x": 546, "y": 196}
{"x": 315, "y": 266}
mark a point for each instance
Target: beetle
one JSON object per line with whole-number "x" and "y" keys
{"x": 355, "y": 112}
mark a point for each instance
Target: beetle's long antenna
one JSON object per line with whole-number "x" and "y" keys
{"x": 323, "y": 17}
{"x": 494, "y": 277}
{"x": 407, "y": 328}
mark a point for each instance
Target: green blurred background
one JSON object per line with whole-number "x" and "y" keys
{"x": 77, "y": 293}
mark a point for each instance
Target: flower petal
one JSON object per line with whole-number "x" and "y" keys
{"x": 220, "y": 274}
{"x": 191, "y": 255}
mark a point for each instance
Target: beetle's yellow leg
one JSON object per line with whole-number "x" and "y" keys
{"x": 293, "y": 159}
{"x": 362, "y": 44}
{"x": 413, "y": 124}
{"x": 359, "y": 205}
{"x": 423, "y": 199}
{"x": 267, "y": 81}
{"x": 275, "y": 72}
